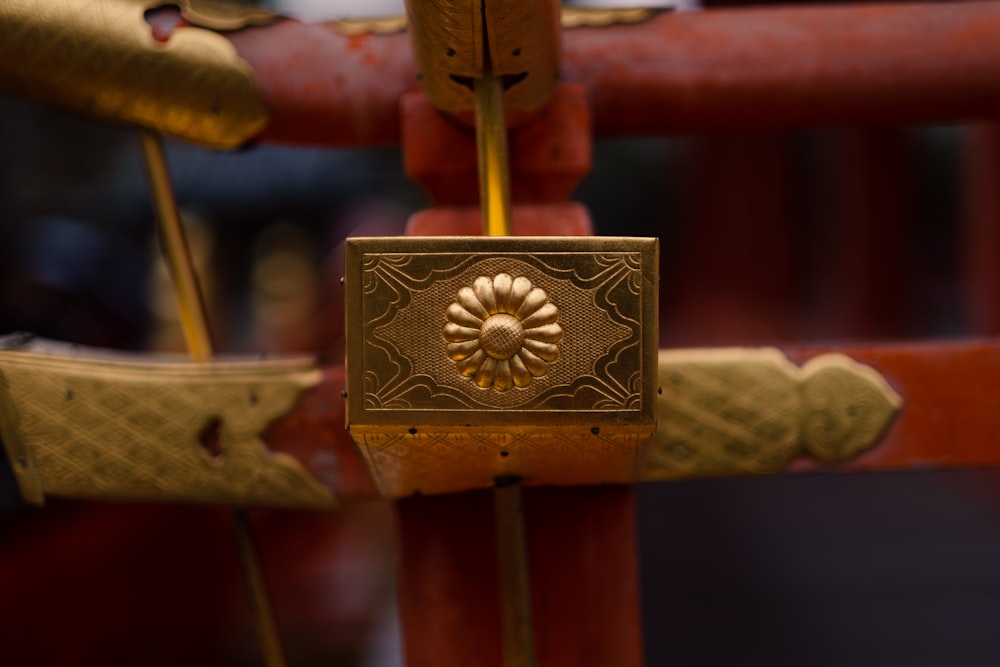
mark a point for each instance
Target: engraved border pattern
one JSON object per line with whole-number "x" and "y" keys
{"x": 394, "y": 380}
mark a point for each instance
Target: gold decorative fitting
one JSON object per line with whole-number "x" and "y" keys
{"x": 99, "y": 58}
{"x": 456, "y": 42}
{"x": 382, "y": 25}
{"x": 740, "y": 411}
{"x": 429, "y": 314}
{"x": 83, "y": 425}
{"x": 593, "y": 17}
{"x": 502, "y": 331}
{"x": 223, "y": 15}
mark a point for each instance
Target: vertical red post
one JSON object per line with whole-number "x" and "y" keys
{"x": 981, "y": 242}
{"x": 581, "y": 541}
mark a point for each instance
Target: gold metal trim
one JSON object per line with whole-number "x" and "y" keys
{"x": 112, "y": 428}
{"x": 456, "y": 43}
{"x": 220, "y": 14}
{"x": 736, "y": 411}
{"x": 382, "y": 25}
{"x": 589, "y": 17}
{"x": 420, "y": 422}
{"x": 570, "y": 17}
{"x": 99, "y": 58}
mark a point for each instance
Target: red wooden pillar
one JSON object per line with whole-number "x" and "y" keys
{"x": 581, "y": 541}
{"x": 584, "y": 578}
{"x": 735, "y": 280}
{"x": 981, "y": 242}
{"x": 867, "y": 273}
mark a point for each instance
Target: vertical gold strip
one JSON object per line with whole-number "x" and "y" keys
{"x": 267, "y": 628}
{"x": 494, "y": 201}
{"x": 491, "y": 148}
{"x": 515, "y": 585}
{"x": 194, "y": 322}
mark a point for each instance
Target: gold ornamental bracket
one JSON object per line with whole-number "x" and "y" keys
{"x": 741, "y": 411}
{"x": 456, "y": 43}
{"x": 99, "y": 58}
{"x": 475, "y": 358}
{"x": 110, "y": 426}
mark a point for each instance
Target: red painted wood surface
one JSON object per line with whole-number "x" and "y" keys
{"x": 950, "y": 415}
{"x": 981, "y": 238}
{"x": 951, "y": 405}
{"x": 581, "y": 542}
{"x": 679, "y": 72}
{"x": 584, "y": 578}
{"x": 549, "y": 153}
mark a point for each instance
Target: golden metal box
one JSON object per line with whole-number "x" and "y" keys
{"x": 475, "y": 358}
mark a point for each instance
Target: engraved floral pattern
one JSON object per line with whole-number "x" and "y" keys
{"x": 502, "y": 332}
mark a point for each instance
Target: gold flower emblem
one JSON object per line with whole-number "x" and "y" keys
{"x": 502, "y": 331}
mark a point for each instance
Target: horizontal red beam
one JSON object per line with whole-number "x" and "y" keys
{"x": 951, "y": 405}
{"x": 950, "y": 416}
{"x": 684, "y": 72}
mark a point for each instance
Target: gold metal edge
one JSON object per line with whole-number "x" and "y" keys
{"x": 222, "y": 15}
{"x": 404, "y": 463}
{"x": 18, "y": 454}
{"x": 593, "y": 17}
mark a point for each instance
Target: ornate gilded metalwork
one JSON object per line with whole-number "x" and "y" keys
{"x": 112, "y": 428}
{"x": 586, "y": 311}
{"x": 502, "y": 331}
{"x": 99, "y": 58}
{"x": 751, "y": 411}
{"x": 521, "y": 48}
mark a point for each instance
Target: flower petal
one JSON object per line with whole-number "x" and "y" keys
{"x": 467, "y": 299}
{"x": 547, "y": 314}
{"x": 547, "y": 351}
{"x": 484, "y": 376}
{"x": 518, "y": 291}
{"x": 459, "y": 351}
{"x": 470, "y": 365}
{"x": 522, "y": 377}
{"x": 458, "y": 314}
{"x": 534, "y": 300}
{"x": 483, "y": 287}
{"x": 456, "y": 333}
{"x": 550, "y": 333}
{"x": 502, "y": 283}
{"x": 535, "y": 365}
{"x": 503, "y": 379}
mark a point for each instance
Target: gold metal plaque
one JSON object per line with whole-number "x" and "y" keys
{"x": 99, "y": 58}
{"x": 115, "y": 428}
{"x": 473, "y": 358}
{"x": 456, "y": 42}
{"x": 736, "y": 411}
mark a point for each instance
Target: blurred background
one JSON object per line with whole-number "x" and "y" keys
{"x": 792, "y": 238}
